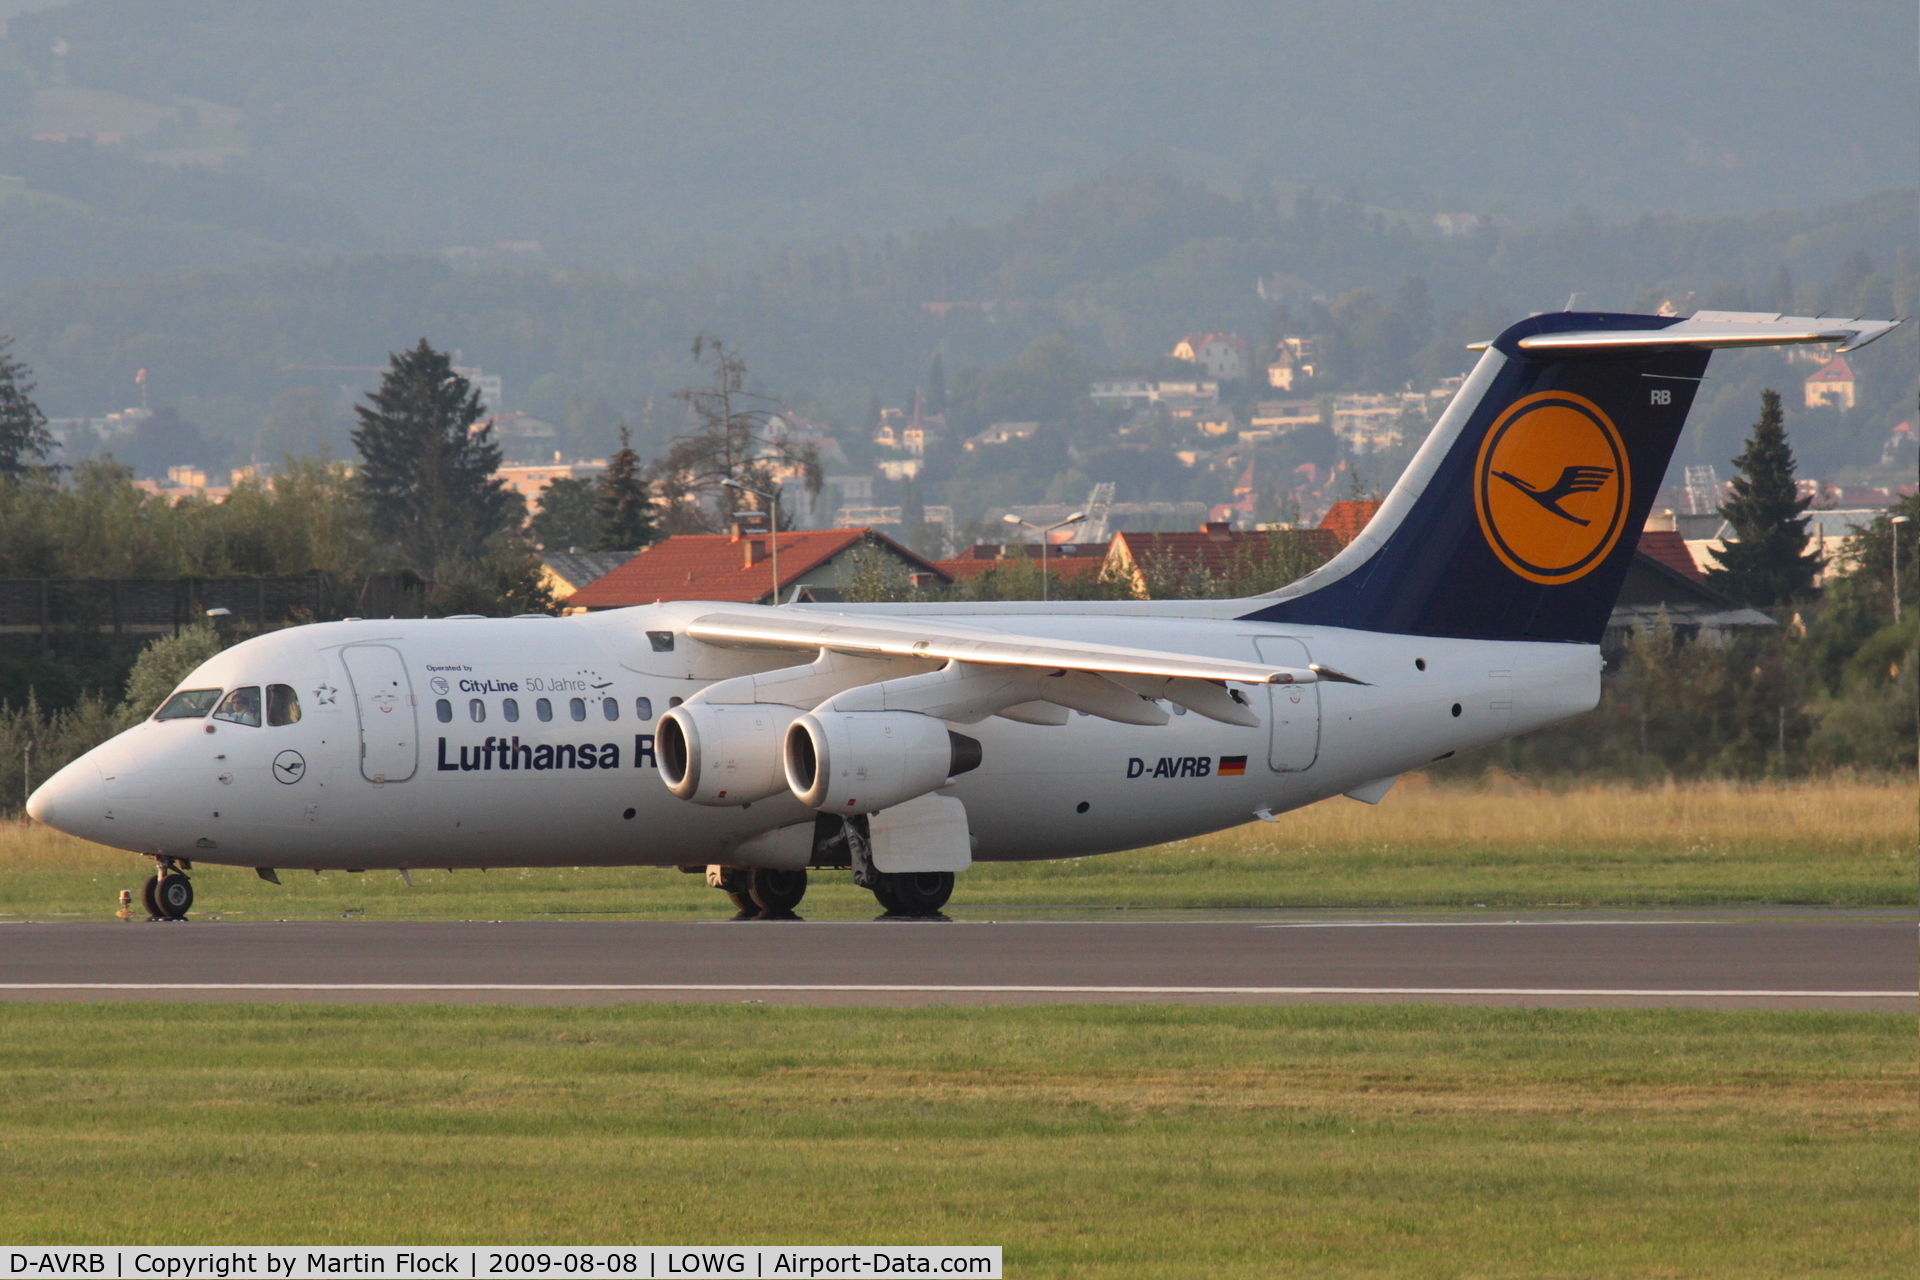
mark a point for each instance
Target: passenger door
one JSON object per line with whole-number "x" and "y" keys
{"x": 1295, "y": 741}
{"x": 382, "y": 694}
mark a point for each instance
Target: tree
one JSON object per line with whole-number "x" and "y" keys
{"x": 160, "y": 668}
{"x": 23, "y": 428}
{"x": 569, "y": 515}
{"x": 626, "y": 520}
{"x": 1768, "y": 564}
{"x": 740, "y": 436}
{"x": 428, "y": 472}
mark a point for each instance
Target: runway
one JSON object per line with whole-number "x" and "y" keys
{"x": 1808, "y": 960}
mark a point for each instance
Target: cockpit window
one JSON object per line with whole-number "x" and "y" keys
{"x": 242, "y": 706}
{"x": 188, "y": 704}
{"x": 283, "y": 705}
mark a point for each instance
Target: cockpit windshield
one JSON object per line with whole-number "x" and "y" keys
{"x": 283, "y": 705}
{"x": 188, "y": 704}
{"x": 242, "y": 706}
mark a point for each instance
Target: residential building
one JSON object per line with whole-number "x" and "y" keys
{"x": 1001, "y": 433}
{"x": 1664, "y": 582}
{"x": 1181, "y": 396}
{"x": 1217, "y": 547}
{"x": 563, "y": 573}
{"x": 1830, "y": 384}
{"x": 1064, "y": 560}
{"x": 530, "y": 481}
{"x": 1222, "y": 355}
{"x": 1346, "y": 518}
{"x": 737, "y": 566}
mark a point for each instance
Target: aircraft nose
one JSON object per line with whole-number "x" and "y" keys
{"x": 72, "y": 800}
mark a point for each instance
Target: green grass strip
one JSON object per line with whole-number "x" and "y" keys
{"x": 1126, "y": 1142}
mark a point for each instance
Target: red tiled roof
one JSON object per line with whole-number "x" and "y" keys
{"x": 1834, "y": 370}
{"x": 1347, "y": 517}
{"x": 1670, "y": 549}
{"x": 714, "y": 567}
{"x": 1216, "y": 550}
{"x": 1086, "y": 558}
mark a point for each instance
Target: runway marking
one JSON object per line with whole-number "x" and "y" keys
{"x": 1482, "y": 924}
{"x": 948, "y": 988}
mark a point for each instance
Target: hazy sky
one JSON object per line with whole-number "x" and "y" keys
{"x": 640, "y": 135}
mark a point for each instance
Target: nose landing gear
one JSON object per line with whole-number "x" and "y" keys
{"x": 168, "y": 894}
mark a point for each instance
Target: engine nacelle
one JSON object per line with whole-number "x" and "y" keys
{"x": 722, "y": 754}
{"x": 850, "y": 762}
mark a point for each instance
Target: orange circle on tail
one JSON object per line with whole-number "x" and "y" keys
{"x": 1551, "y": 487}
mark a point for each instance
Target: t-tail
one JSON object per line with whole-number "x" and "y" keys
{"x": 1519, "y": 516}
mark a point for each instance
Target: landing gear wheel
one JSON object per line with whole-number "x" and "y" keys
{"x": 777, "y": 892}
{"x": 913, "y": 893}
{"x": 174, "y": 895}
{"x": 148, "y": 900}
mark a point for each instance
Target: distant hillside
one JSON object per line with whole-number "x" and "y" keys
{"x": 653, "y": 136}
{"x": 265, "y": 356}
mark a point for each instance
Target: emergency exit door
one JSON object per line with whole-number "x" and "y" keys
{"x": 1295, "y": 719}
{"x": 382, "y": 694}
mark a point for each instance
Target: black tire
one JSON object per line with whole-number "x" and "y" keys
{"x": 148, "y": 900}
{"x": 174, "y": 894}
{"x": 914, "y": 893}
{"x": 777, "y": 892}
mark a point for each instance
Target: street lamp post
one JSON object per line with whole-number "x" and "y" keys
{"x": 1075, "y": 518}
{"x": 773, "y": 529}
{"x": 1897, "y": 521}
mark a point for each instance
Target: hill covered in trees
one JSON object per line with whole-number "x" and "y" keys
{"x": 266, "y": 357}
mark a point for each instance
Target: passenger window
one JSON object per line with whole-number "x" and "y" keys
{"x": 577, "y": 708}
{"x": 283, "y": 705}
{"x": 510, "y": 708}
{"x": 188, "y": 704}
{"x": 242, "y": 706}
{"x": 643, "y": 707}
{"x": 674, "y": 702}
{"x": 477, "y": 709}
{"x": 543, "y": 709}
{"x": 610, "y": 708}
{"x": 444, "y": 710}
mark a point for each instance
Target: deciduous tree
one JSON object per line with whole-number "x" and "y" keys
{"x": 23, "y": 428}
{"x": 739, "y": 435}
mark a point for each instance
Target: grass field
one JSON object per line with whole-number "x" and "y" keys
{"x": 1835, "y": 843}
{"x": 1126, "y": 1142}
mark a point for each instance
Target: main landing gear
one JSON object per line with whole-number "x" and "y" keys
{"x": 764, "y": 893}
{"x": 168, "y": 894}
{"x": 912, "y": 893}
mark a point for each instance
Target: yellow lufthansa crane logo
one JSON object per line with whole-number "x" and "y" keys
{"x": 1551, "y": 487}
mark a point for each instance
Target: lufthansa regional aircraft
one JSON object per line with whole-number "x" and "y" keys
{"x": 905, "y": 742}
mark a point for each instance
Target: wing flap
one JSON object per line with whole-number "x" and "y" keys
{"x": 940, "y": 639}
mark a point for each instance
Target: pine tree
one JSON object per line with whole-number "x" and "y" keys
{"x": 1768, "y": 564}
{"x": 23, "y": 428}
{"x": 626, "y": 502}
{"x": 427, "y": 473}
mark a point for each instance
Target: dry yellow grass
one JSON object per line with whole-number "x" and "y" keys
{"x": 1502, "y": 844}
{"x": 1836, "y": 816}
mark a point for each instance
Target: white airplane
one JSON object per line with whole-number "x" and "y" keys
{"x": 905, "y": 742}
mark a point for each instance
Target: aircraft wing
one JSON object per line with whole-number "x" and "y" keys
{"x": 942, "y": 639}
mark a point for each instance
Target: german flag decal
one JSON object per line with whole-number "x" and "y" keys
{"x": 1232, "y": 767}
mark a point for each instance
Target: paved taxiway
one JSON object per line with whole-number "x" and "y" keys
{"x": 1831, "y": 960}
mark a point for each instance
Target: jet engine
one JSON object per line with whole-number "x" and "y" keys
{"x": 723, "y": 754}
{"x": 850, "y": 762}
